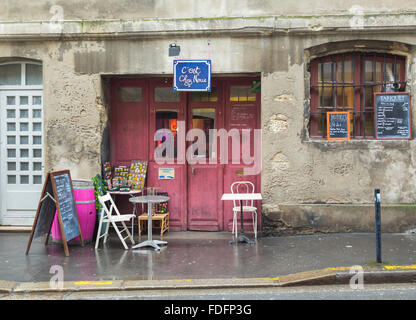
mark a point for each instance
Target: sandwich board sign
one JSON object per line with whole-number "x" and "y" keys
{"x": 57, "y": 196}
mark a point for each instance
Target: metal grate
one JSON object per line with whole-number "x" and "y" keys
{"x": 367, "y": 73}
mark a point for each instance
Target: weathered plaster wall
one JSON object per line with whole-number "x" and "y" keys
{"x": 22, "y": 10}
{"x": 73, "y": 111}
{"x": 298, "y": 170}
{"x": 302, "y": 179}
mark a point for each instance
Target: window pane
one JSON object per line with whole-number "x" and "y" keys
{"x": 242, "y": 93}
{"x": 11, "y": 140}
{"x": 37, "y": 140}
{"x": 167, "y": 119}
{"x": 24, "y": 179}
{"x": 24, "y": 100}
{"x": 348, "y": 74}
{"x": 398, "y": 67}
{"x": 24, "y": 153}
{"x": 24, "y": 126}
{"x": 24, "y": 166}
{"x": 10, "y": 74}
{"x": 205, "y": 96}
{"x": 369, "y": 71}
{"x": 37, "y": 126}
{"x": 24, "y": 113}
{"x": 321, "y": 118}
{"x": 37, "y": 179}
{"x": 204, "y": 119}
{"x": 11, "y": 126}
{"x": 37, "y": 166}
{"x": 11, "y": 179}
{"x": 328, "y": 99}
{"x": 37, "y": 113}
{"x": 369, "y": 124}
{"x": 11, "y": 114}
{"x": 33, "y": 74}
{"x": 11, "y": 166}
{"x": 344, "y": 97}
{"x": 327, "y": 72}
{"x": 11, "y": 153}
{"x": 369, "y": 95}
{"x": 166, "y": 94}
{"x": 11, "y": 101}
{"x": 37, "y": 153}
{"x": 36, "y": 100}
{"x": 129, "y": 94}
{"x": 24, "y": 139}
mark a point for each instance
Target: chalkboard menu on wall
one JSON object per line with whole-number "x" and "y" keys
{"x": 338, "y": 125}
{"x": 57, "y": 196}
{"x": 392, "y": 115}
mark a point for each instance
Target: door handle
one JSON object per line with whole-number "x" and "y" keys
{"x": 193, "y": 171}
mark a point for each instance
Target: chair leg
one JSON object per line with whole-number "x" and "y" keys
{"x": 254, "y": 217}
{"x": 119, "y": 235}
{"x": 128, "y": 232}
{"x": 235, "y": 226}
{"x": 99, "y": 230}
{"x": 107, "y": 227}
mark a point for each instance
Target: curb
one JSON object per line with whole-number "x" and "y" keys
{"x": 327, "y": 276}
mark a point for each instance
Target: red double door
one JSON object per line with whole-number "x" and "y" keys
{"x": 140, "y": 107}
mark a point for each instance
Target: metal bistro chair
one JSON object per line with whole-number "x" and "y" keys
{"x": 109, "y": 217}
{"x": 243, "y": 187}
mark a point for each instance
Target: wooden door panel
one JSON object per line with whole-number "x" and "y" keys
{"x": 176, "y": 191}
{"x": 128, "y": 122}
{"x": 204, "y": 193}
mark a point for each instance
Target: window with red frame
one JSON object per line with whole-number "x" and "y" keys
{"x": 347, "y": 82}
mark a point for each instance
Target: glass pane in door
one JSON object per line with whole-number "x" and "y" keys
{"x": 167, "y": 119}
{"x": 204, "y": 120}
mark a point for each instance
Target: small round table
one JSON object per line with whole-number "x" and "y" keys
{"x": 150, "y": 200}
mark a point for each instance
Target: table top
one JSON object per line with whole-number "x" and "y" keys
{"x": 148, "y": 199}
{"x": 241, "y": 196}
{"x": 125, "y": 192}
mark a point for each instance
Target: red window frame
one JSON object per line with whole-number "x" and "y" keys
{"x": 360, "y": 113}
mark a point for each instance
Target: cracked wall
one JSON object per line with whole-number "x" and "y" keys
{"x": 303, "y": 172}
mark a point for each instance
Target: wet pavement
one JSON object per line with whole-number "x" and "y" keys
{"x": 198, "y": 255}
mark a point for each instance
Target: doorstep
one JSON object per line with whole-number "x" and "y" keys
{"x": 15, "y": 229}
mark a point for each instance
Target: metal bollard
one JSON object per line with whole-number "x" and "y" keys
{"x": 378, "y": 223}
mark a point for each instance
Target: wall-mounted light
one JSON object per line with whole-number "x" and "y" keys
{"x": 174, "y": 50}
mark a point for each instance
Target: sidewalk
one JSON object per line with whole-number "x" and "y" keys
{"x": 205, "y": 259}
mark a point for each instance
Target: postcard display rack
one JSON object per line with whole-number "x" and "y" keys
{"x": 126, "y": 178}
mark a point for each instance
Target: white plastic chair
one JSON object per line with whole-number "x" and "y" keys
{"x": 109, "y": 216}
{"x": 243, "y": 187}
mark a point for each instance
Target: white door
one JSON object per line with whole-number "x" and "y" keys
{"x": 21, "y": 155}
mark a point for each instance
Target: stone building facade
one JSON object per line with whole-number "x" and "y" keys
{"x": 308, "y": 183}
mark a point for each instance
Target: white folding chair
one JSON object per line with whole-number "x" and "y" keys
{"x": 109, "y": 216}
{"x": 243, "y": 187}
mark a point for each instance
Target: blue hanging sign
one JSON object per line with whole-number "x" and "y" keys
{"x": 192, "y": 75}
